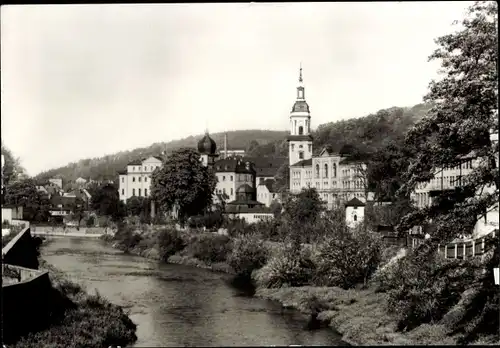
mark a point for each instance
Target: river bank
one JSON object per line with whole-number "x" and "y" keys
{"x": 79, "y": 319}
{"x": 358, "y": 315}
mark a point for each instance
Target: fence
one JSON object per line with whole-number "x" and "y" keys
{"x": 468, "y": 248}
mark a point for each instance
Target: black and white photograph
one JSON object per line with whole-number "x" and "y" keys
{"x": 250, "y": 174}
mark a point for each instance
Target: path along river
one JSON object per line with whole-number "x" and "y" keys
{"x": 176, "y": 305}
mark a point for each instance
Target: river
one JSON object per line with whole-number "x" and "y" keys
{"x": 175, "y": 305}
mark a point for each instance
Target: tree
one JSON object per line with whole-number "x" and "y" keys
{"x": 183, "y": 182}
{"x": 24, "y": 193}
{"x": 301, "y": 212}
{"x": 106, "y": 202}
{"x": 465, "y": 111}
{"x": 282, "y": 178}
{"x": 12, "y": 167}
{"x": 348, "y": 257}
{"x": 252, "y": 146}
{"x": 138, "y": 205}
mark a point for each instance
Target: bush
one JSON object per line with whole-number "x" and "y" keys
{"x": 210, "y": 247}
{"x": 90, "y": 221}
{"x": 169, "y": 242}
{"x": 289, "y": 267}
{"x": 238, "y": 227}
{"x": 249, "y": 253}
{"x": 126, "y": 237}
{"x": 348, "y": 258}
{"x": 424, "y": 286}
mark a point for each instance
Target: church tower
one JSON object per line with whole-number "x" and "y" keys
{"x": 300, "y": 139}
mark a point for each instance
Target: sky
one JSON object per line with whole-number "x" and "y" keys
{"x": 80, "y": 81}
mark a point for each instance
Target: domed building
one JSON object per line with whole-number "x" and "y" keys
{"x": 208, "y": 150}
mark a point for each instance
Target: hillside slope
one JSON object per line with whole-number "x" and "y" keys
{"x": 105, "y": 168}
{"x": 371, "y": 132}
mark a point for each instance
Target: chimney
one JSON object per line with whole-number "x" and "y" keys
{"x": 225, "y": 145}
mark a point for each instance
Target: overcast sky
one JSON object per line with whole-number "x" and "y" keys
{"x": 83, "y": 81}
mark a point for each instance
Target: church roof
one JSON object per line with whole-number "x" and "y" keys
{"x": 300, "y": 106}
{"x": 207, "y": 145}
{"x": 303, "y": 163}
{"x": 355, "y": 202}
{"x": 299, "y": 137}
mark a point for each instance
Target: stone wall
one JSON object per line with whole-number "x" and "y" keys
{"x": 22, "y": 250}
{"x": 62, "y": 230}
{"x": 26, "y": 302}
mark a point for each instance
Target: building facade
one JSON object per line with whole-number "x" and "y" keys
{"x": 451, "y": 178}
{"x": 232, "y": 173}
{"x": 135, "y": 180}
{"x": 336, "y": 177}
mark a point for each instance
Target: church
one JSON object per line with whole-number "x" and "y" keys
{"x": 336, "y": 177}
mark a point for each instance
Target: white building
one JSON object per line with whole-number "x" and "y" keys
{"x": 136, "y": 179}
{"x": 336, "y": 177}
{"x": 449, "y": 179}
{"x": 267, "y": 193}
{"x": 56, "y": 181}
{"x": 354, "y": 212}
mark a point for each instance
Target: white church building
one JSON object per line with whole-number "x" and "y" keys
{"x": 336, "y": 179}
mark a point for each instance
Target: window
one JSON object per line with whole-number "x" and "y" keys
{"x": 139, "y": 194}
{"x": 310, "y": 148}
{"x": 317, "y": 170}
{"x": 133, "y": 192}
{"x": 231, "y": 192}
{"x": 123, "y": 179}
{"x": 355, "y": 217}
{"x": 139, "y": 179}
{"x": 139, "y": 169}
{"x": 145, "y": 192}
{"x": 146, "y": 179}
{"x": 334, "y": 170}
{"x": 223, "y": 178}
{"x": 133, "y": 169}
{"x": 133, "y": 179}
{"x": 326, "y": 170}
{"x": 301, "y": 130}
{"x": 224, "y": 190}
{"x": 231, "y": 178}
{"x": 293, "y": 147}
{"x": 123, "y": 191}
{"x": 301, "y": 155}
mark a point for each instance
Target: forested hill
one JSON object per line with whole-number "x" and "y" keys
{"x": 105, "y": 168}
{"x": 371, "y": 132}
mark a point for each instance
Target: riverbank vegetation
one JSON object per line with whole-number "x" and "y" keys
{"x": 79, "y": 319}
{"x": 309, "y": 259}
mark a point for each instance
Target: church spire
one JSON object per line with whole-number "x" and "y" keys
{"x": 300, "y": 74}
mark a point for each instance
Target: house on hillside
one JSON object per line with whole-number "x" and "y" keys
{"x": 267, "y": 192}
{"x": 449, "y": 178}
{"x": 135, "y": 180}
{"x": 57, "y": 181}
{"x": 80, "y": 181}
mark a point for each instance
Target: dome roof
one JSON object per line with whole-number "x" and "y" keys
{"x": 207, "y": 145}
{"x": 245, "y": 188}
{"x": 300, "y": 106}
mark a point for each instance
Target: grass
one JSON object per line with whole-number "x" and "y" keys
{"x": 360, "y": 314}
{"x": 86, "y": 320}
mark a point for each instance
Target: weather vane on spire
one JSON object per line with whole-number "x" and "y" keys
{"x": 300, "y": 76}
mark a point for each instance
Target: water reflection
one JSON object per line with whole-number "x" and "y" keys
{"x": 177, "y": 305}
